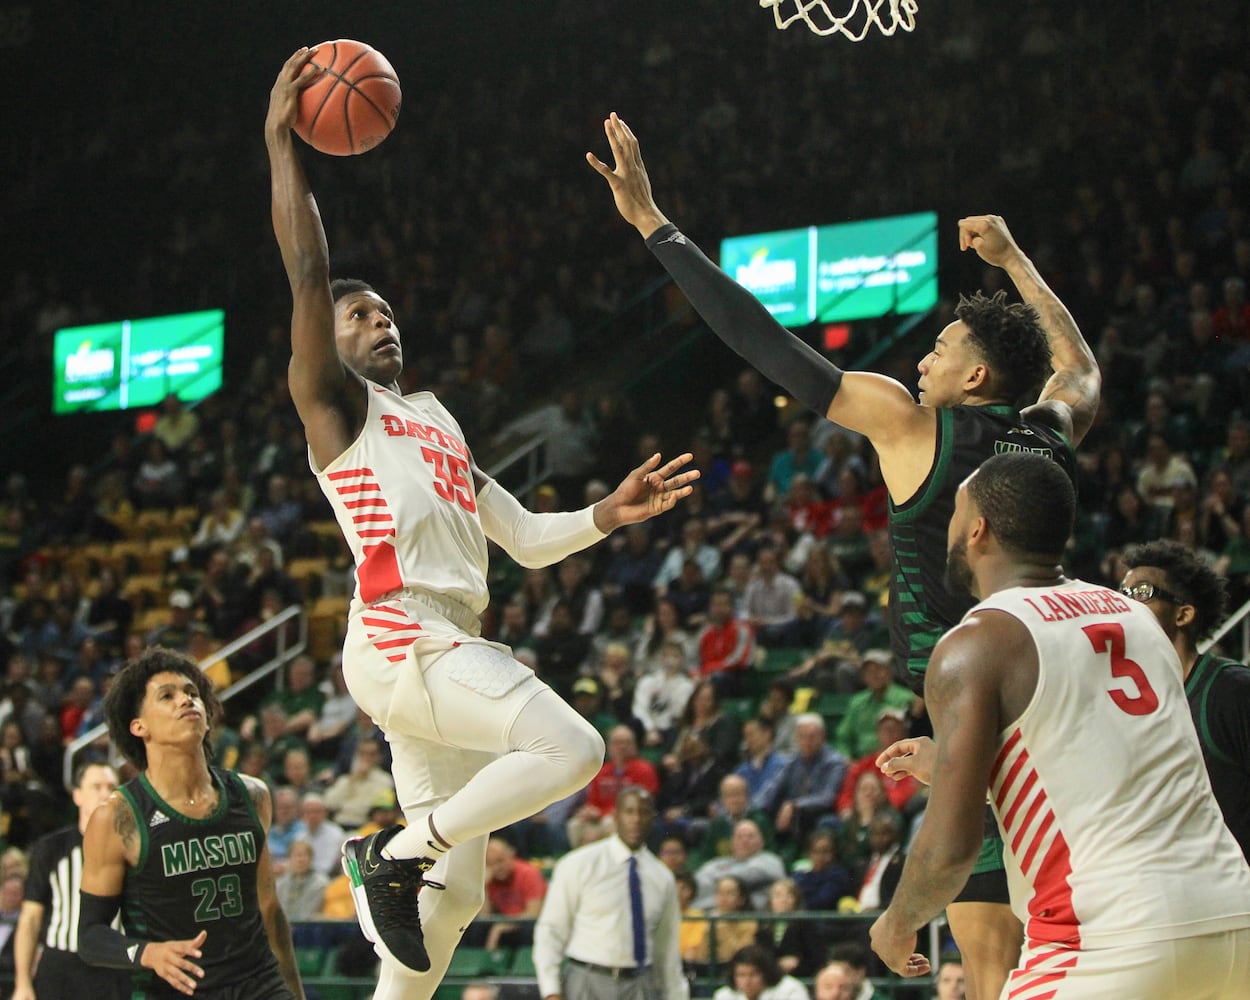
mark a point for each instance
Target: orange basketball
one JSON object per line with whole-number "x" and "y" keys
{"x": 355, "y": 103}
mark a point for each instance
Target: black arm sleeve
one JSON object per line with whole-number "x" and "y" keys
{"x": 98, "y": 943}
{"x": 742, "y": 322}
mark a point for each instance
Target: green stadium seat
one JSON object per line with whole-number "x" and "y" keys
{"x": 523, "y": 963}
{"x": 470, "y": 962}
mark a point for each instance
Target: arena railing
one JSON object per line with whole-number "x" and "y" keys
{"x": 285, "y": 650}
{"x": 1239, "y": 617}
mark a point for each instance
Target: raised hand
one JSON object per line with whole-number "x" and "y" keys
{"x": 171, "y": 960}
{"x": 649, "y": 490}
{"x": 628, "y": 179}
{"x": 296, "y": 74}
{"x": 989, "y": 237}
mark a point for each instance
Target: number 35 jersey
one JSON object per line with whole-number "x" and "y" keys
{"x": 1112, "y": 834}
{"x": 404, "y": 498}
{"x": 199, "y": 875}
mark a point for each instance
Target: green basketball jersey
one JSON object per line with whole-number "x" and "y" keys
{"x": 921, "y": 607}
{"x": 199, "y": 875}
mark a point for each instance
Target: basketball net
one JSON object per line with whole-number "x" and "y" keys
{"x": 821, "y": 20}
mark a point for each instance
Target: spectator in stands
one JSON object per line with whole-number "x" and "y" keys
{"x": 279, "y": 511}
{"x": 514, "y": 888}
{"x": 78, "y": 701}
{"x": 110, "y": 614}
{"x": 662, "y": 625}
{"x": 337, "y": 714}
{"x": 950, "y": 981}
{"x": 675, "y": 855}
{"x": 660, "y": 697}
{"x": 726, "y": 646}
{"x": 1162, "y": 469}
{"x": 749, "y": 862}
{"x": 250, "y": 544}
{"x": 798, "y": 457}
{"x": 775, "y": 707}
{"x": 854, "y": 843}
{"x": 175, "y": 426}
{"x": 694, "y": 545}
{"x": 325, "y": 836}
{"x": 761, "y": 764}
{"x": 176, "y": 634}
{"x": 631, "y": 572}
{"x": 884, "y": 866}
{"x": 755, "y": 974}
{"x": 835, "y": 982}
{"x": 623, "y": 767}
{"x": 351, "y": 796}
{"x": 770, "y": 605}
{"x": 690, "y": 594}
{"x": 220, "y": 528}
{"x": 704, "y": 717}
{"x": 301, "y": 889}
{"x": 563, "y": 650}
{"x": 158, "y": 481}
{"x": 294, "y": 769}
{"x": 821, "y": 877}
{"x": 688, "y": 791}
{"x": 856, "y": 627}
{"x": 732, "y": 805}
{"x": 301, "y": 700}
{"x": 809, "y": 785}
{"x": 727, "y": 899}
{"x": 892, "y": 726}
{"x": 798, "y": 945}
{"x": 857, "y": 732}
{"x": 583, "y": 600}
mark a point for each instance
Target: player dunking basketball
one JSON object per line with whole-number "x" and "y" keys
{"x": 478, "y": 742}
{"x": 980, "y": 368}
{"x": 1067, "y": 701}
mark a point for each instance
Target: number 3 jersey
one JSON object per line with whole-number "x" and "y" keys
{"x": 404, "y": 498}
{"x": 1112, "y": 834}
{"x": 199, "y": 875}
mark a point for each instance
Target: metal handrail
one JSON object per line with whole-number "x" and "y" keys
{"x": 283, "y": 656}
{"x": 1239, "y": 617}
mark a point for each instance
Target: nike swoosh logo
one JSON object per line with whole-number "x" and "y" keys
{"x": 368, "y": 865}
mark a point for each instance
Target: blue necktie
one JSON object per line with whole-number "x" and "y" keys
{"x": 635, "y": 908}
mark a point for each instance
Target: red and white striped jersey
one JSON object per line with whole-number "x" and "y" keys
{"x": 403, "y": 494}
{"x": 1111, "y": 831}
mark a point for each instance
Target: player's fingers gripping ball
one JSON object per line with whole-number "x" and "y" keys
{"x": 354, "y": 104}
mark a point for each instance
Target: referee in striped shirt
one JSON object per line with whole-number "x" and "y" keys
{"x": 50, "y": 908}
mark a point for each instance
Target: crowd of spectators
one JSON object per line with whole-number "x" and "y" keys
{"x": 733, "y": 652}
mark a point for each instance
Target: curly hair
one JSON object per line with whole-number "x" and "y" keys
{"x": 124, "y": 701}
{"x": 1191, "y": 578}
{"x": 1009, "y": 338}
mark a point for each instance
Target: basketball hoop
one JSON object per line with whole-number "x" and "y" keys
{"x": 821, "y": 20}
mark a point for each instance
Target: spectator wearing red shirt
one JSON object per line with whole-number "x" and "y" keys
{"x": 514, "y": 888}
{"x": 891, "y": 727}
{"x": 726, "y": 646}
{"x": 623, "y": 767}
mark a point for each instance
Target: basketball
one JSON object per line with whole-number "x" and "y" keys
{"x": 355, "y": 103}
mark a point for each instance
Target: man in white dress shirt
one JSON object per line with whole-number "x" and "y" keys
{"x": 613, "y": 945}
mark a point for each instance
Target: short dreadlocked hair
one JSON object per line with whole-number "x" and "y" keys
{"x": 1009, "y": 338}
{"x": 124, "y": 701}
{"x": 1189, "y": 577}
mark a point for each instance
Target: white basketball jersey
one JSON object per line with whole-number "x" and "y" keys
{"x": 403, "y": 495}
{"x": 1111, "y": 830}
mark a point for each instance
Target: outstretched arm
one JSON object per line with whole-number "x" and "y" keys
{"x": 1076, "y": 382}
{"x": 317, "y": 375}
{"x": 535, "y": 540}
{"x": 878, "y": 407}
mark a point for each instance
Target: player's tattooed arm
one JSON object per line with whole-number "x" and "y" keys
{"x": 126, "y": 829}
{"x": 261, "y": 802}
